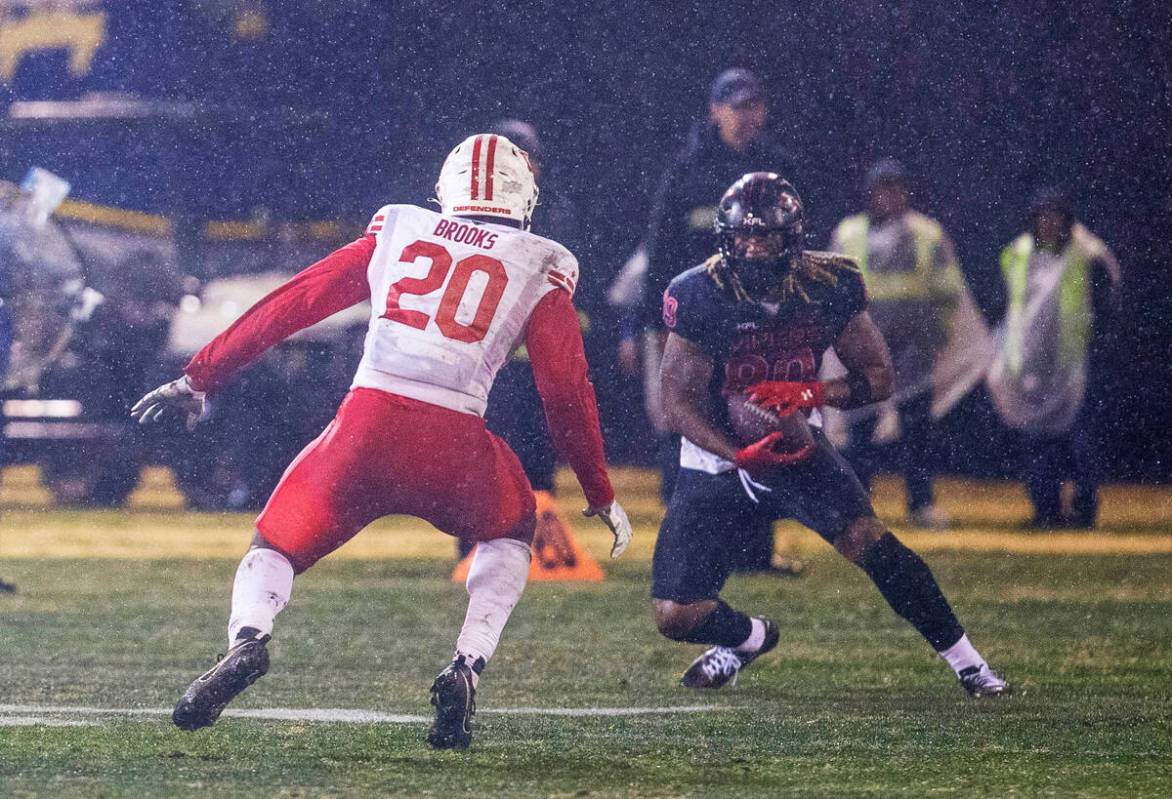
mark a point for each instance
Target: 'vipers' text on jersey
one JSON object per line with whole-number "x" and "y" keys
{"x": 450, "y": 298}
{"x": 750, "y": 342}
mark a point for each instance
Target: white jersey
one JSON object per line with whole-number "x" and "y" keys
{"x": 450, "y": 300}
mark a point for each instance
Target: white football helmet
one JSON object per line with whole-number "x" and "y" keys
{"x": 487, "y": 175}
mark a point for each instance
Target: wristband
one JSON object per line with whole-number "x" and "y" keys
{"x": 860, "y": 389}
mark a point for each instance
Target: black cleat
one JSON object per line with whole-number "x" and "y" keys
{"x": 204, "y": 700}
{"x": 720, "y": 665}
{"x": 454, "y": 699}
{"x": 983, "y": 681}
{"x": 7, "y": 588}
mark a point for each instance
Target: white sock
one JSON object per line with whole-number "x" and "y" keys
{"x": 495, "y": 582}
{"x": 962, "y": 655}
{"x": 264, "y": 581}
{"x": 756, "y": 637}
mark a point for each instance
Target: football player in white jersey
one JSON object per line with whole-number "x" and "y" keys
{"x": 452, "y": 295}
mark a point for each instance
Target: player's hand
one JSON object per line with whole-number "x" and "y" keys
{"x": 614, "y": 517}
{"x": 178, "y": 397}
{"x": 763, "y": 455}
{"x": 784, "y": 397}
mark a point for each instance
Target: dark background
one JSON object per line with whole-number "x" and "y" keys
{"x": 332, "y": 108}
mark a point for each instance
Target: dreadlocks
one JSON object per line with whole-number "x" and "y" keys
{"x": 807, "y": 268}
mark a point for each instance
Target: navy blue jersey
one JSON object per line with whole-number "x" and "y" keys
{"x": 749, "y": 342}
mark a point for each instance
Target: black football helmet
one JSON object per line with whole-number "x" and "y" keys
{"x": 760, "y": 227}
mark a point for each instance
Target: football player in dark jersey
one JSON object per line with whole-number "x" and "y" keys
{"x": 755, "y": 319}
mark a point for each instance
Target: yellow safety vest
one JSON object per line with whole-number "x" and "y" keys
{"x": 942, "y": 287}
{"x": 923, "y": 283}
{"x": 1074, "y": 296}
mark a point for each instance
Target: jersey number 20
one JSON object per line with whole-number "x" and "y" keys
{"x": 445, "y": 317}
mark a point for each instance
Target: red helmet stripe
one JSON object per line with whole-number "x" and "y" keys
{"x": 488, "y": 167}
{"x": 476, "y": 168}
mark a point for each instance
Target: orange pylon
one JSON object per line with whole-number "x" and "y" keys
{"x": 556, "y": 555}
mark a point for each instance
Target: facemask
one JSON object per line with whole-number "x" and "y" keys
{"x": 758, "y": 277}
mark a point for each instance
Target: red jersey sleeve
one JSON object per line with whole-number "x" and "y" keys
{"x": 332, "y": 284}
{"x": 554, "y": 341}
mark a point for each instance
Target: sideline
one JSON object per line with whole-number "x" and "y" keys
{"x": 1136, "y": 520}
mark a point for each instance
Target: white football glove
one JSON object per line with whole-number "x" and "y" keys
{"x": 614, "y": 517}
{"x": 178, "y": 396}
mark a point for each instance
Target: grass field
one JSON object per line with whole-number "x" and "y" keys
{"x": 119, "y": 610}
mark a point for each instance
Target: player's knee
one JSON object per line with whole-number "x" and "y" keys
{"x": 299, "y": 563}
{"x": 523, "y": 530}
{"x": 675, "y": 621}
{"x": 859, "y": 536}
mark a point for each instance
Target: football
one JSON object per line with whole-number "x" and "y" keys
{"x": 752, "y": 423}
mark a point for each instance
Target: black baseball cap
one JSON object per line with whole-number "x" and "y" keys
{"x": 520, "y": 133}
{"x": 1052, "y": 198}
{"x": 736, "y": 86}
{"x": 885, "y": 171}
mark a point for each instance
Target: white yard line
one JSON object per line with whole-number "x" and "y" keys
{"x": 606, "y": 711}
{"x": 42, "y": 721}
{"x": 60, "y": 715}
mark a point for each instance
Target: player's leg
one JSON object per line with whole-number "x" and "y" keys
{"x": 496, "y": 580}
{"x": 318, "y": 505}
{"x": 493, "y": 506}
{"x": 261, "y": 589}
{"x": 706, "y": 516}
{"x": 823, "y": 493}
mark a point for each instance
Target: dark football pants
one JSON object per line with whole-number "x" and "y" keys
{"x": 754, "y": 549}
{"x": 710, "y": 518}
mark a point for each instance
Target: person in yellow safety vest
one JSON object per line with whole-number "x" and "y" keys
{"x": 914, "y": 284}
{"x": 1062, "y": 295}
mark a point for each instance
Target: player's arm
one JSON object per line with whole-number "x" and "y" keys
{"x": 334, "y": 283}
{"x": 554, "y": 342}
{"x": 684, "y": 375}
{"x": 870, "y": 376}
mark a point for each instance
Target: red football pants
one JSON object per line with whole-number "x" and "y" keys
{"x": 384, "y": 454}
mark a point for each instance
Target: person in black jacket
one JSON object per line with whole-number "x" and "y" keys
{"x": 515, "y": 412}
{"x": 731, "y": 142}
